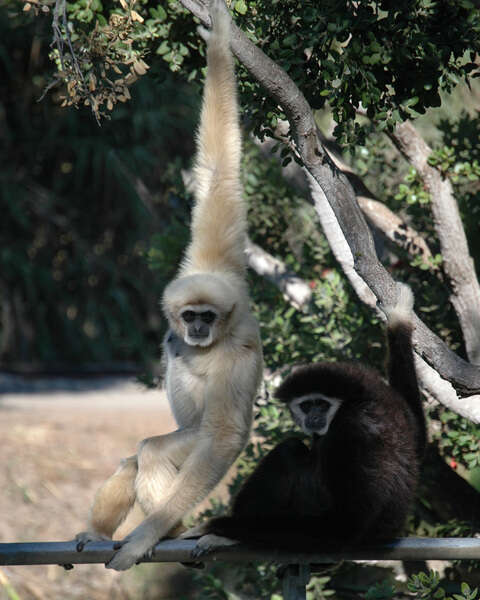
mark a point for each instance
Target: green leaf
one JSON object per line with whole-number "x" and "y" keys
{"x": 412, "y": 101}
{"x": 290, "y": 41}
{"x": 161, "y": 13}
{"x": 240, "y": 7}
{"x": 163, "y": 48}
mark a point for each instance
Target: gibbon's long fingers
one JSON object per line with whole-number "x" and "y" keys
{"x": 219, "y": 214}
{"x": 114, "y": 499}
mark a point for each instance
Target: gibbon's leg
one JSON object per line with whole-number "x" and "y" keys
{"x": 112, "y": 504}
{"x": 143, "y": 477}
{"x": 159, "y": 461}
{"x": 401, "y": 365}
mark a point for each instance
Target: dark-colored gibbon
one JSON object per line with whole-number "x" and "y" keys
{"x": 357, "y": 478}
{"x": 212, "y": 351}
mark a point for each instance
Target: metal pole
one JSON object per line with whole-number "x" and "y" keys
{"x": 295, "y": 581}
{"x": 45, "y": 553}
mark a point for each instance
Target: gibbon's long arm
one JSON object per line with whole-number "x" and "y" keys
{"x": 219, "y": 215}
{"x": 400, "y": 365}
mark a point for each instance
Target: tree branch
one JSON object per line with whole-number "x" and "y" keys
{"x": 341, "y": 197}
{"x": 376, "y": 212}
{"x": 442, "y": 390}
{"x": 295, "y": 289}
{"x": 457, "y": 262}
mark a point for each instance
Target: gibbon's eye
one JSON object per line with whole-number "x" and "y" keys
{"x": 189, "y": 316}
{"x": 322, "y": 404}
{"x": 306, "y": 406}
{"x": 208, "y": 316}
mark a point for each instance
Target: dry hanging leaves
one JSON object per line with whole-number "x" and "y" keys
{"x": 99, "y": 65}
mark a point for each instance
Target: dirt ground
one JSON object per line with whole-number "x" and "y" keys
{"x": 60, "y": 440}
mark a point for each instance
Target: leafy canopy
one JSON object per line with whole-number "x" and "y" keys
{"x": 388, "y": 58}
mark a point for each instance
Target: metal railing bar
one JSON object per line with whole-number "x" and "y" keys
{"x": 175, "y": 550}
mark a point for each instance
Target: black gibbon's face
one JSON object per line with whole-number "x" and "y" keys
{"x": 199, "y": 323}
{"x": 314, "y": 412}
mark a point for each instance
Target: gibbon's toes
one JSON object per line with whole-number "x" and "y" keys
{"x": 200, "y": 551}
{"x": 122, "y": 560}
{"x": 149, "y": 554}
{"x": 193, "y": 532}
{"x": 86, "y": 537}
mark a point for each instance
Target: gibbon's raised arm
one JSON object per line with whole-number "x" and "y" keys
{"x": 400, "y": 362}
{"x": 219, "y": 215}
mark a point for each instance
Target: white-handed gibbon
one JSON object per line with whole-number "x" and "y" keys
{"x": 356, "y": 480}
{"x": 212, "y": 351}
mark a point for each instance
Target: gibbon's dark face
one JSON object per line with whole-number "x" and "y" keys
{"x": 199, "y": 323}
{"x": 314, "y": 412}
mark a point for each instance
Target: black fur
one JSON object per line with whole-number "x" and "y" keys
{"x": 356, "y": 483}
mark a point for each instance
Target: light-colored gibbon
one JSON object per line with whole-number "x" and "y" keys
{"x": 212, "y": 351}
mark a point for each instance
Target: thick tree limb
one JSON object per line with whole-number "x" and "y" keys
{"x": 377, "y": 213}
{"x": 338, "y": 243}
{"x": 442, "y": 390}
{"x": 457, "y": 262}
{"x": 341, "y": 197}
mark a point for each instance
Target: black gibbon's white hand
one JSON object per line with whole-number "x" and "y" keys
{"x": 212, "y": 352}
{"x": 357, "y": 478}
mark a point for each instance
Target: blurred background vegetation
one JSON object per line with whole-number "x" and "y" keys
{"x": 95, "y": 216}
